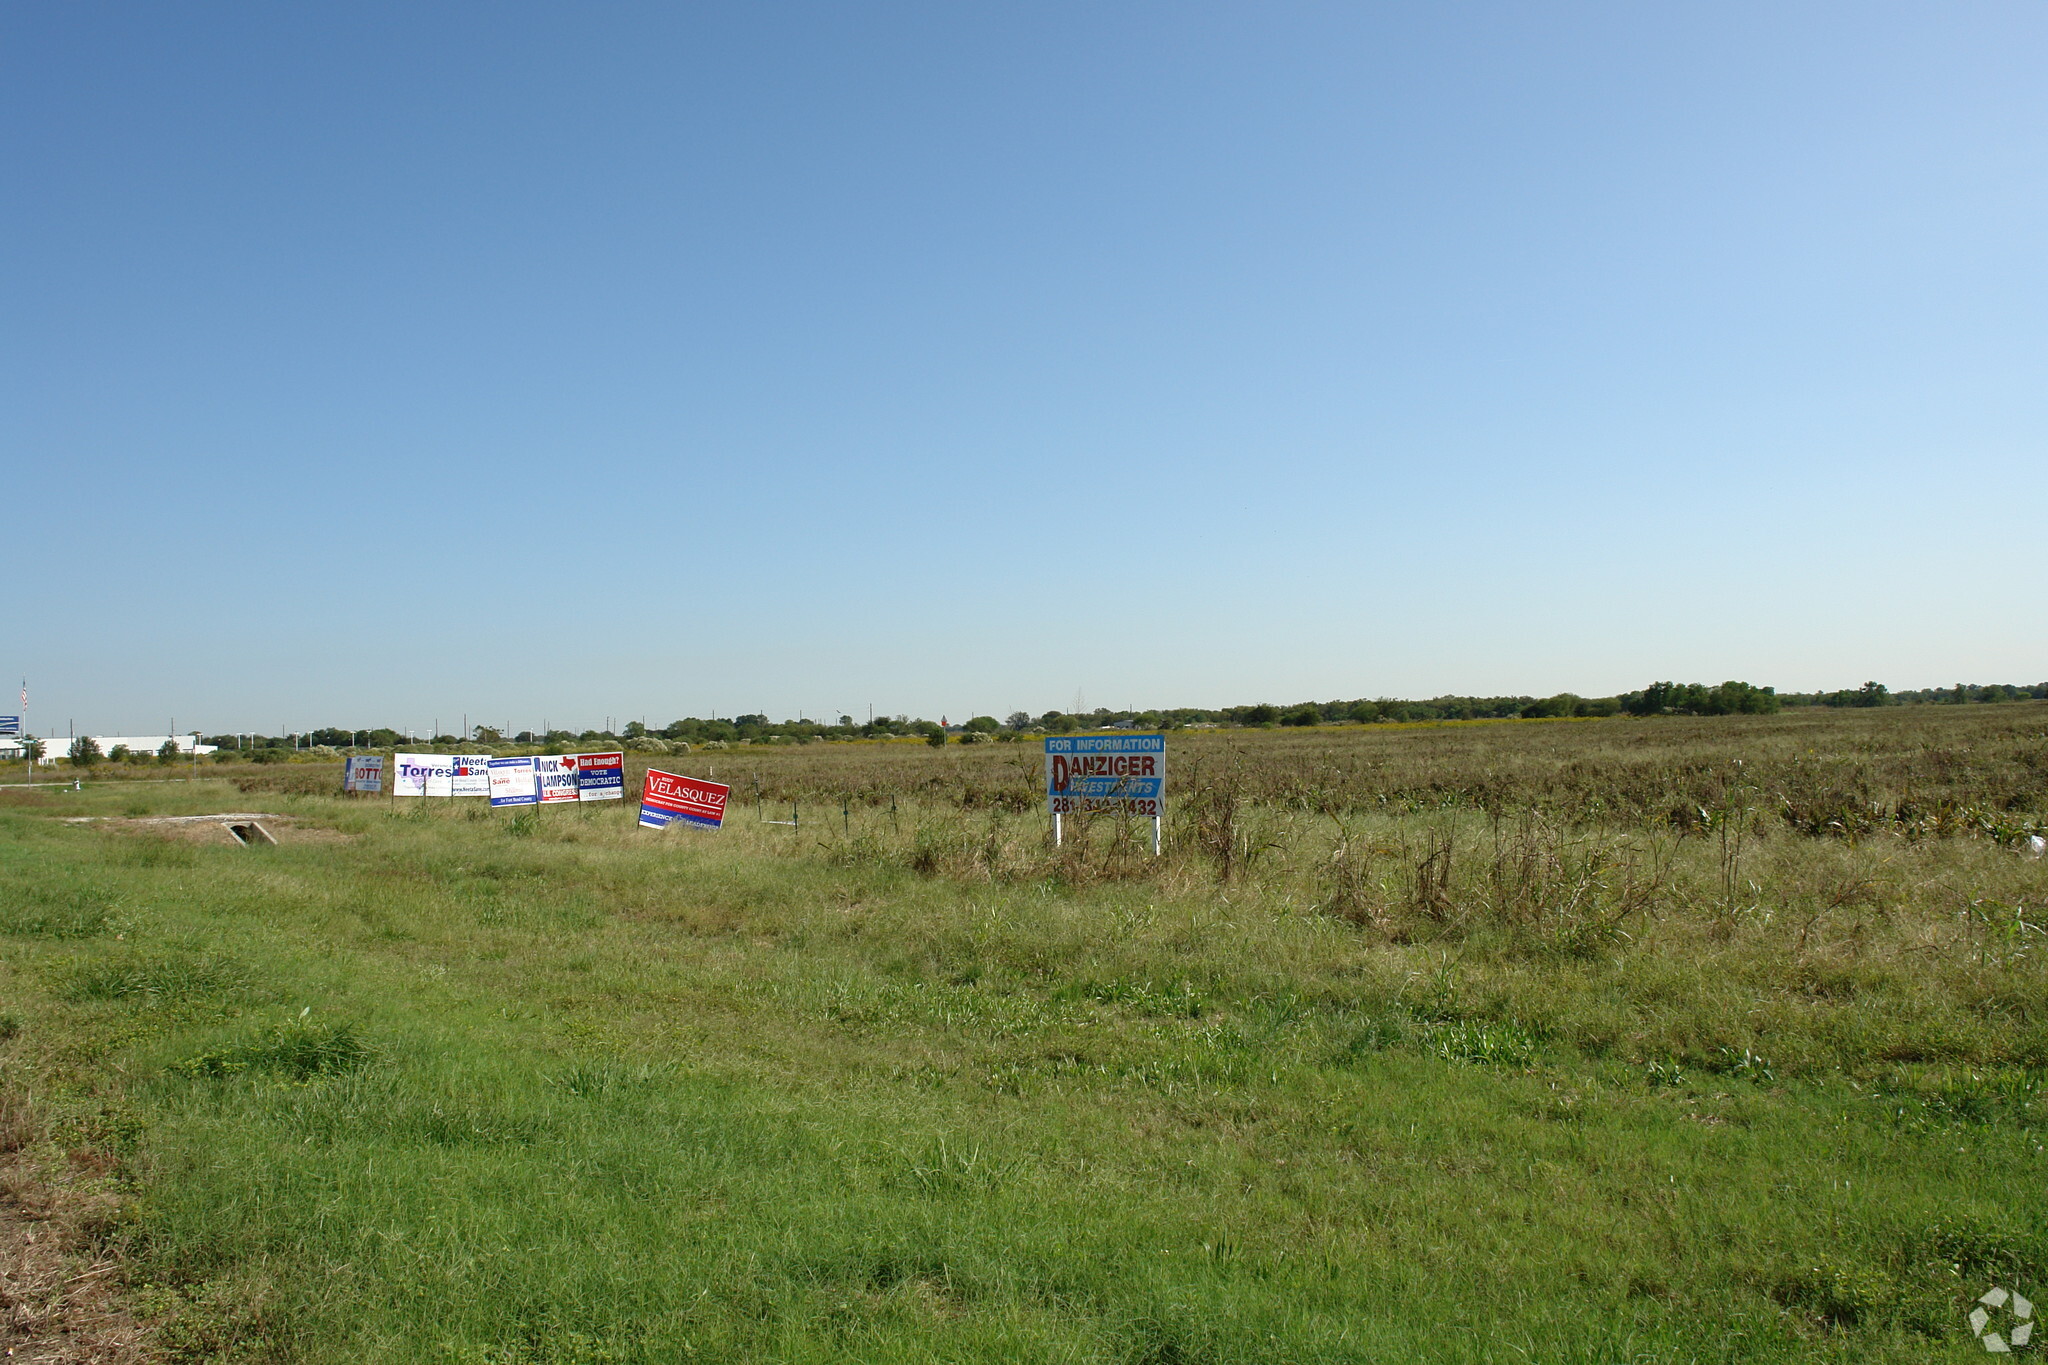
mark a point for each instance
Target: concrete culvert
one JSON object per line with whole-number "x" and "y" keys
{"x": 249, "y": 832}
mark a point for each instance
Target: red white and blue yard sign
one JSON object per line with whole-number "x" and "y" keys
{"x": 472, "y": 775}
{"x": 668, "y": 798}
{"x": 557, "y": 777}
{"x": 514, "y": 782}
{"x": 600, "y": 777}
{"x": 363, "y": 773}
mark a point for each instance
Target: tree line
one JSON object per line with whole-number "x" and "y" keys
{"x": 1733, "y": 697}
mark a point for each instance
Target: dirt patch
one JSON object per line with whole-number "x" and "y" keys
{"x": 59, "y": 1305}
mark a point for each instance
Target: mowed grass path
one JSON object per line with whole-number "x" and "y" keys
{"x": 451, "y": 1091}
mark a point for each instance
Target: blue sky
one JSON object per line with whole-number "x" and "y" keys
{"x": 378, "y": 364}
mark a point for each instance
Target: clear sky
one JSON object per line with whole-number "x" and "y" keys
{"x": 382, "y": 363}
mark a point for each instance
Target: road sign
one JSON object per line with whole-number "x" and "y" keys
{"x": 601, "y": 777}
{"x": 670, "y": 797}
{"x": 514, "y": 782}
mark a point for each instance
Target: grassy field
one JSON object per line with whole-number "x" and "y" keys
{"x": 1607, "y": 1041}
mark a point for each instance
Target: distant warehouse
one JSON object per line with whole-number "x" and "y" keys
{"x": 57, "y": 746}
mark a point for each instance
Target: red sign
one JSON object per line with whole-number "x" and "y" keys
{"x": 669, "y": 797}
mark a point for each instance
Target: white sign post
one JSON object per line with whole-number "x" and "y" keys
{"x": 1106, "y": 772}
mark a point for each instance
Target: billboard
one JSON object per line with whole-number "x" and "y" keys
{"x": 472, "y": 775}
{"x": 422, "y": 775}
{"x": 671, "y": 798}
{"x": 557, "y": 777}
{"x": 10, "y": 725}
{"x": 362, "y": 773}
{"x": 1106, "y": 772}
{"x": 513, "y": 782}
{"x": 601, "y": 777}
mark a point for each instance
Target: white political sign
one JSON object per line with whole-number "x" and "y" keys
{"x": 557, "y": 778}
{"x": 423, "y": 775}
{"x": 472, "y": 776}
{"x": 363, "y": 773}
{"x": 514, "y": 782}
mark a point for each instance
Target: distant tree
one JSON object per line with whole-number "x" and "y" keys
{"x": 1731, "y": 698}
{"x": 1018, "y": 720}
{"x": 486, "y": 734}
{"x": 936, "y": 738}
{"x": 1262, "y": 714}
{"x": 168, "y": 752}
{"x": 35, "y": 749}
{"x": 986, "y": 725}
{"x": 1303, "y": 715}
{"x": 118, "y": 754}
{"x": 634, "y": 729}
{"x": 84, "y": 752}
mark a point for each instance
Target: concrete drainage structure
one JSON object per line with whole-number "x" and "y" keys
{"x": 244, "y": 827}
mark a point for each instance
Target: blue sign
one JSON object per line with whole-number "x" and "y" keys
{"x": 601, "y": 777}
{"x": 514, "y": 782}
{"x": 10, "y": 725}
{"x": 1105, "y": 772}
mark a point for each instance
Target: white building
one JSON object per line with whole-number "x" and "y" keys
{"x": 55, "y": 747}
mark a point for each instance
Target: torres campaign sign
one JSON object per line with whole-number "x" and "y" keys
{"x": 557, "y": 777}
{"x": 363, "y": 773}
{"x": 514, "y": 782}
{"x": 671, "y": 797}
{"x": 1106, "y": 772}
{"x": 422, "y": 775}
{"x": 472, "y": 775}
{"x": 600, "y": 777}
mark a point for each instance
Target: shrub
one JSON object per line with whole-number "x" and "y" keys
{"x": 298, "y": 1050}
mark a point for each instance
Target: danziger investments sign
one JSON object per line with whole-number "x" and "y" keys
{"x": 1106, "y": 772}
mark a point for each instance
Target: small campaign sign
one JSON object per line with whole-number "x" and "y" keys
{"x": 669, "y": 798}
{"x": 472, "y": 775}
{"x": 363, "y": 773}
{"x": 1106, "y": 772}
{"x": 513, "y": 782}
{"x": 422, "y": 775}
{"x": 601, "y": 777}
{"x": 557, "y": 777}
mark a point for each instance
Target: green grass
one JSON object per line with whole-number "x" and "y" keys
{"x": 1577, "y": 1090}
